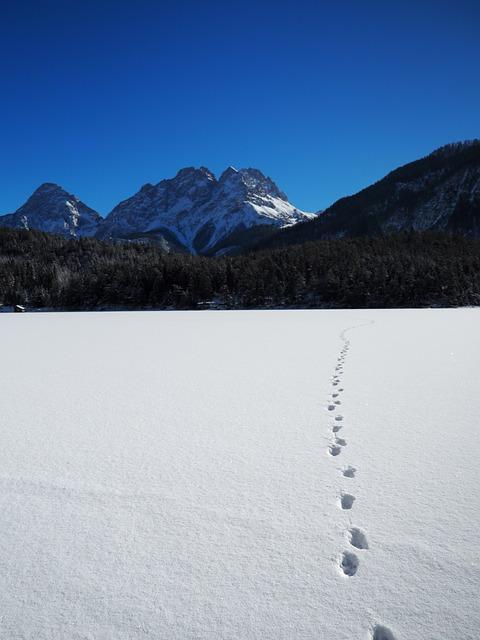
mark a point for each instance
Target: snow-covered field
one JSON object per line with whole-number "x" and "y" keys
{"x": 170, "y": 475}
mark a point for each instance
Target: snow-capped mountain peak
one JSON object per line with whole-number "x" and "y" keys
{"x": 47, "y": 187}
{"x": 197, "y": 213}
{"x": 191, "y": 212}
{"x": 229, "y": 171}
{"x": 50, "y": 208}
{"x": 250, "y": 182}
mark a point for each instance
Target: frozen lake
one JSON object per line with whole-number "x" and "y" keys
{"x": 170, "y": 475}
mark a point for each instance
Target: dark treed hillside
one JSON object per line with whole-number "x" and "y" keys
{"x": 440, "y": 192}
{"x": 407, "y": 270}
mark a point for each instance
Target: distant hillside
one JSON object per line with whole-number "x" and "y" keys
{"x": 440, "y": 192}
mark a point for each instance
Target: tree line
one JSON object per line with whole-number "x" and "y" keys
{"x": 411, "y": 269}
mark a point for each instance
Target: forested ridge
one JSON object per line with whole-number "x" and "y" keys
{"x": 405, "y": 270}
{"x": 439, "y": 192}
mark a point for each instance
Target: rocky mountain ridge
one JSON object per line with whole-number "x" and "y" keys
{"x": 192, "y": 212}
{"x": 195, "y": 212}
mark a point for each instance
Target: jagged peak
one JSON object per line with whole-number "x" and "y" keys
{"x": 255, "y": 180}
{"x": 47, "y": 187}
{"x": 248, "y": 176}
{"x": 188, "y": 172}
{"x": 228, "y": 173}
{"x": 50, "y": 192}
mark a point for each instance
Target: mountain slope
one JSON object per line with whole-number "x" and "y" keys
{"x": 50, "y": 208}
{"x": 199, "y": 214}
{"x": 440, "y": 192}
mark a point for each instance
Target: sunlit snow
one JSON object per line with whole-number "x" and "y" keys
{"x": 221, "y": 475}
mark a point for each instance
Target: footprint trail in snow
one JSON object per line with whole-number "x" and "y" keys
{"x": 349, "y": 561}
{"x": 382, "y": 633}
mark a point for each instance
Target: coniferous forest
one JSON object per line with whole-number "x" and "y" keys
{"x": 40, "y": 270}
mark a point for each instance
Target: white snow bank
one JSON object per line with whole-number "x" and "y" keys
{"x": 168, "y": 475}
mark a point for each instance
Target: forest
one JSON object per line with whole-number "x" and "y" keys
{"x": 40, "y": 270}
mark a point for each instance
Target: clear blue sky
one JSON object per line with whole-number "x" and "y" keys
{"x": 325, "y": 97}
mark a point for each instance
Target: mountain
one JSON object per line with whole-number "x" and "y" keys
{"x": 50, "y": 208}
{"x": 440, "y": 192}
{"x": 196, "y": 213}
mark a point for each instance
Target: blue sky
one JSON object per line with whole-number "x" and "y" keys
{"x": 325, "y": 97}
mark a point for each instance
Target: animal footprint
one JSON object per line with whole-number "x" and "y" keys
{"x": 341, "y": 442}
{"x": 338, "y": 418}
{"x": 334, "y": 450}
{"x": 349, "y": 565}
{"x": 382, "y": 633}
{"x": 336, "y": 428}
{"x": 347, "y": 500}
{"x": 334, "y": 395}
{"x": 331, "y": 407}
{"x": 357, "y": 538}
{"x": 349, "y": 472}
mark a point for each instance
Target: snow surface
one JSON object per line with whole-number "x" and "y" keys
{"x": 169, "y": 475}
